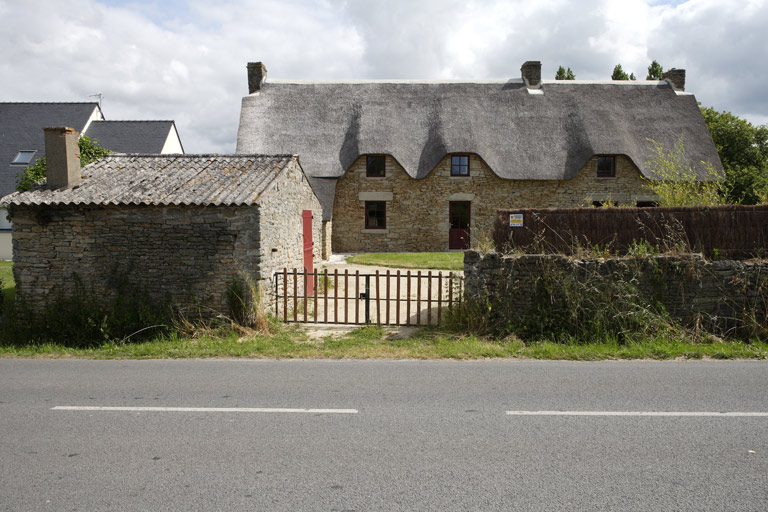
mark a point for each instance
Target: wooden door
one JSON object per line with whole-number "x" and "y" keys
{"x": 459, "y": 218}
{"x": 309, "y": 261}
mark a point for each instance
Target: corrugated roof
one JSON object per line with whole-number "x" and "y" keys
{"x": 547, "y": 136}
{"x": 131, "y": 136}
{"x": 222, "y": 180}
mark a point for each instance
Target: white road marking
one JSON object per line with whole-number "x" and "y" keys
{"x": 201, "y": 409}
{"x": 638, "y": 413}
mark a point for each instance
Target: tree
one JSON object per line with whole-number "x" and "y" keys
{"x": 678, "y": 182}
{"x": 562, "y": 74}
{"x": 90, "y": 150}
{"x": 743, "y": 149}
{"x": 632, "y": 76}
{"x": 618, "y": 73}
{"x": 654, "y": 71}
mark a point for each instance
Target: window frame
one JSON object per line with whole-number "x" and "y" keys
{"x": 613, "y": 166}
{"x": 31, "y": 153}
{"x": 459, "y": 175}
{"x": 368, "y": 159}
{"x": 381, "y": 206}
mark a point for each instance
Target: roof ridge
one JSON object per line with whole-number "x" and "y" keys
{"x": 201, "y": 155}
{"x": 49, "y": 102}
{"x": 133, "y": 121}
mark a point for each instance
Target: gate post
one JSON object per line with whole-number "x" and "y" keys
{"x": 367, "y": 299}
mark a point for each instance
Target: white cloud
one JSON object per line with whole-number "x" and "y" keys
{"x": 186, "y": 60}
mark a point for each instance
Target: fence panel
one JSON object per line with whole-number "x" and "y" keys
{"x": 337, "y": 297}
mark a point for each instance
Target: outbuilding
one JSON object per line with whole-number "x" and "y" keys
{"x": 180, "y": 228}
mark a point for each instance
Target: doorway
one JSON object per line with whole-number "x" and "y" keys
{"x": 459, "y": 219}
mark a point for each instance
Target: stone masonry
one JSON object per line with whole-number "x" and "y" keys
{"x": 692, "y": 289}
{"x": 187, "y": 255}
{"x": 417, "y": 212}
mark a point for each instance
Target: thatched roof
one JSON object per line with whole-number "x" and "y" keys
{"x": 541, "y": 134}
{"x": 202, "y": 180}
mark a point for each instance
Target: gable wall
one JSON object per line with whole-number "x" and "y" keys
{"x": 281, "y": 235}
{"x": 417, "y": 215}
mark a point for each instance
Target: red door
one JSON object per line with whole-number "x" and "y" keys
{"x": 458, "y": 233}
{"x": 309, "y": 262}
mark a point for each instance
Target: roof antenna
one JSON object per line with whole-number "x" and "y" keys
{"x": 97, "y": 95}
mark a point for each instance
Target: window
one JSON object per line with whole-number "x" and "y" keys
{"x": 375, "y": 166}
{"x": 459, "y": 165}
{"x": 24, "y": 157}
{"x": 375, "y": 215}
{"x": 606, "y": 167}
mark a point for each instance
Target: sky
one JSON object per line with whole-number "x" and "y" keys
{"x": 186, "y": 59}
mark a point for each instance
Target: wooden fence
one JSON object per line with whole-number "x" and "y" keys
{"x": 728, "y": 231}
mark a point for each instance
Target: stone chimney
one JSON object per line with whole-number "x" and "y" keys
{"x": 676, "y": 77}
{"x": 531, "y": 71}
{"x": 257, "y": 75}
{"x": 62, "y": 157}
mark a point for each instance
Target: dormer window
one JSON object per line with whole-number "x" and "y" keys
{"x": 606, "y": 166}
{"x": 23, "y": 157}
{"x": 375, "y": 166}
{"x": 459, "y": 165}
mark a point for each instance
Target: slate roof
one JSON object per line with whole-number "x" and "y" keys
{"x": 544, "y": 134}
{"x": 21, "y": 128}
{"x": 131, "y": 136}
{"x": 203, "y": 180}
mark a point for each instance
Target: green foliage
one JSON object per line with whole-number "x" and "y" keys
{"x": 89, "y": 149}
{"x": 743, "y": 150}
{"x": 655, "y": 71}
{"x": 678, "y": 182}
{"x": 562, "y": 74}
{"x": 80, "y": 319}
{"x": 632, "y": 76}
{"x": 618, "y": 73}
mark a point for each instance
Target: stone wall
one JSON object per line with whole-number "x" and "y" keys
{"x": 691, "y": 288}
{"x": 417, "y": 213}
{"x": 281, "y": 234}
{"x": 184, "y": 254}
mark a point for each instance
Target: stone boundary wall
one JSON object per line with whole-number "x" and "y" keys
{"x": 185, "y": 254}
{"x": 691, "y": 288}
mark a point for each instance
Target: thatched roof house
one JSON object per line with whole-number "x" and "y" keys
{"x": 519, "y": 130}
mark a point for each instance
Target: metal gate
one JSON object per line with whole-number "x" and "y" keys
{"x": 384, "y": 298}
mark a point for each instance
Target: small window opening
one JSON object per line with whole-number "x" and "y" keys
{"x": 606, "y": 167}
{"x": 375, "y": 215}
{"x": 375, "y": 166}
{"x": 647, "y": 204}
{"x": 24, "y": 157}
{"x": 459, "y": 165}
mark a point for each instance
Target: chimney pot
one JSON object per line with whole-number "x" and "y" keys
{"x": 531, "y": 72}
{"x": 62, "y": 157}
{"x": 676, "y": 77}
{"x": 257, "y": 75}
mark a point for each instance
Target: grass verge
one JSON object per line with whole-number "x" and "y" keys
{"x": 375, "y": 342}
{"x": 422, "y": 260}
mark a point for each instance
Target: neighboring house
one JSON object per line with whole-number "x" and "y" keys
{"x": 144, "y": 137}
{"x": 410, "y": 165}
{"x": 181, "y": 227}
{"x": 21, "y": 140}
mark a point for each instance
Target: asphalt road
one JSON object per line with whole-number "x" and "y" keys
{"x": 386, "y": 435}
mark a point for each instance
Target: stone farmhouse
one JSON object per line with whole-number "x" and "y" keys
{"x": 183, "y": 227}
{"x": 21, "y": 140}
{"x": 411, "y": 165}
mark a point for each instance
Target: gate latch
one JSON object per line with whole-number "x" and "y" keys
{"x": 363, "y": 295}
